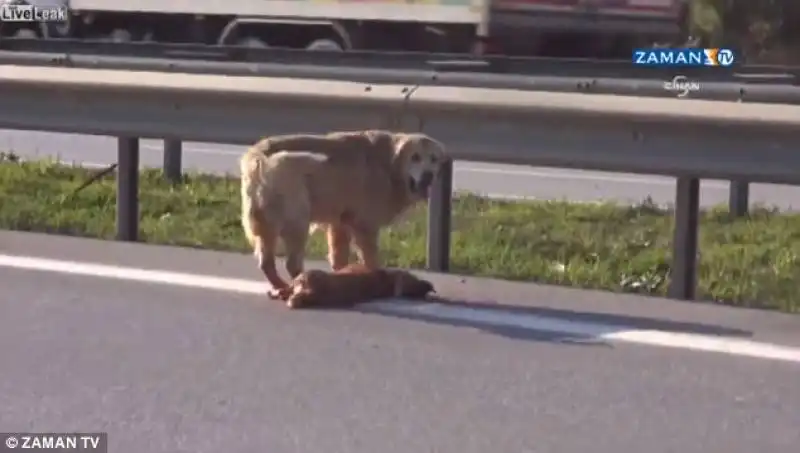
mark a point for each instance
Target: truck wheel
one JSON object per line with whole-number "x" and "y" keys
{"x": 325, "y": 45}
{"x": 120, "y": 35}
{"x": 26, "y": 33}
{"x": 249, "y": 41}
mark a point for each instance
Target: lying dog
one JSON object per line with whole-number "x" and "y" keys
{"x": 294, "y": 184}
{"x": 351, "y": 285}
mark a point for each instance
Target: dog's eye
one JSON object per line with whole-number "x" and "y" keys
{"x": 415, "y": 158}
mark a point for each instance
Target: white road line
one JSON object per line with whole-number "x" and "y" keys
{"x": 485, "y": 317}
{"x": 197, "y": 150}
{"x": 70, "y": 163}
{"x": 553, "y": 174}
{"x": 676, "y": 340}
{"x": 471, "y": 168}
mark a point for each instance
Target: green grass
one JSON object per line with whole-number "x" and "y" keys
{"x": 747, "y": 262}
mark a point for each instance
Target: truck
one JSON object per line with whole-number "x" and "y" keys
{"x": 508, "y": 27}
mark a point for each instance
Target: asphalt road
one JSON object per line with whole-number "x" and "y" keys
{"x": 494, "y": 180}
{"x": 165, "y": 364}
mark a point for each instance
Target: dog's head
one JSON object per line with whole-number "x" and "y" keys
{"x": 306, "y": 289}
{"x": 407, "y": 284}
{"x": 419, "y": 158}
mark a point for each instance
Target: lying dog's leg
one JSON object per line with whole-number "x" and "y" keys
{"x": 339, "y": 238}
{"x": 281, "y": 294}
{"x": 366, "y": 240}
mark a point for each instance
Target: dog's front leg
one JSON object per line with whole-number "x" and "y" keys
{"x": 339, "y": 238}
{"x": 366, "y": 240}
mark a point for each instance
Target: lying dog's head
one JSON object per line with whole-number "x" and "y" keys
{"x": 419, "y": 158}
{"x": 306, "y": 289}
{"x": 407, "y": 284}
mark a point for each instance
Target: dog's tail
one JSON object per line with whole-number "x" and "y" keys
{"x": 255, "y": 166}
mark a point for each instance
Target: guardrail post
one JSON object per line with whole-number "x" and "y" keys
{"x": 439, "y": 216}
{"x": 128, "y": 189}
{"x": 173, "y": 151}
{"x": 739, "y": 198}
{"x": 684, "y": 245}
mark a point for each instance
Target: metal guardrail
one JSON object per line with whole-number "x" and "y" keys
{"x": 688, "y": 139}
{"x": 726, "y": 91}
{"x": 413, "y": 61}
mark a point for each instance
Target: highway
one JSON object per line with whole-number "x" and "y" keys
{"x": 502, "y": 181}
{"x": 185, "y": 354}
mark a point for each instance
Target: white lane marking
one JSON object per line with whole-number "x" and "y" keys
{"x": 462, "y": 168}
{"x": 649, "y": 337}
{"x": 586, "y": 176}
{"x": 70, "y": 163}
{"x": 134, "y": 274}
{"x": 478, "y": 317}
{"x": 472, "y": 168}
{"x": 194, "y": 149}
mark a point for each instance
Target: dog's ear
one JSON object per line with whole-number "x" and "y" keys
{"x": 398, "y": 163}
{"x": 401, "y": 146}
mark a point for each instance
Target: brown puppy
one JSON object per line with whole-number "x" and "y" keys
{"x": 294, "y": 184}
{"x": 350, "y": 286}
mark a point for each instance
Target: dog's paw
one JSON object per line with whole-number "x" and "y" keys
{"x": 279, "y": 294}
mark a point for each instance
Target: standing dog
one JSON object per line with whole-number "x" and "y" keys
{"x": 351, "y": 285}
{"x": 351, "y": 184}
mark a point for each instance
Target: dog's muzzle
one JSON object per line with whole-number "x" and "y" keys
{"x": 422, "y": 187}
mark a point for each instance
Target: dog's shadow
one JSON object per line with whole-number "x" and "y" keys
{"x": 539, "y": 324}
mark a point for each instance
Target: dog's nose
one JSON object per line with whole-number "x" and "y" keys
{"x": 426, "y": 179}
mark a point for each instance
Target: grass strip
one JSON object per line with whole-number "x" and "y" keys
{"x": 748, "y": 262}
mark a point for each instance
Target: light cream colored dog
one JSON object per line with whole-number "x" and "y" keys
{"x": 351, "y": 184}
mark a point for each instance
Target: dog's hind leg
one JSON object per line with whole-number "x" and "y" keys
{"x": 339, "y": 238}
{"x": 263, "y": 237}
{"x": 264, "y": 252}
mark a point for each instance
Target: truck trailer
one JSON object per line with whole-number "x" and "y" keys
{"x": 510, "y": 27}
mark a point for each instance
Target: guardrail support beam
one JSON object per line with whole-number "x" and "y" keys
{"x": 739, "y": 198}
{"x": 439, "y": 216}
{"x": 683, "y": 282}
{"x": 128, "y": 189}
{"x": 173, "y": 153}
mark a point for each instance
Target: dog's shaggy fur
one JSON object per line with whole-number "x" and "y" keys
{"x": 351, "y": 285}
{"x": 350, "y": 184}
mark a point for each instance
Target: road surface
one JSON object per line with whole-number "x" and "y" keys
{"x": 504, "y": 181}
{"x": 173, "y": 360}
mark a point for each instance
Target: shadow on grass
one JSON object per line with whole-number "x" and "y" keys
{"x": 541, "y": 324}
